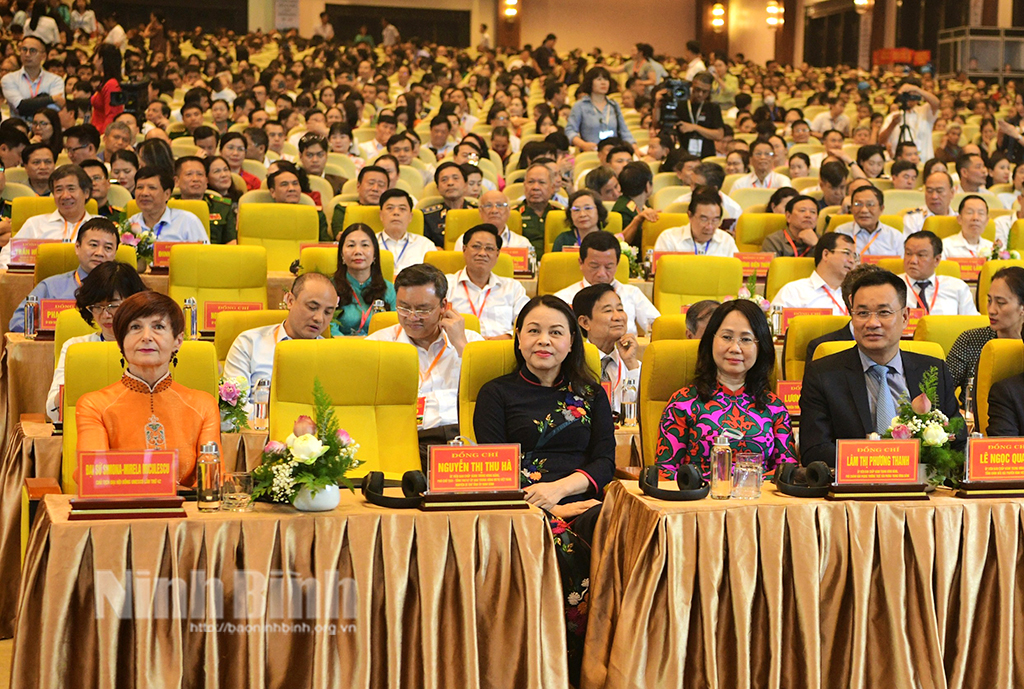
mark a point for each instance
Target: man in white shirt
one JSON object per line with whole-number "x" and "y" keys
{"x": 31, "y": 87}
{"x": 395, "y": 215}
{"x": 389, "y": 34}
{"x": 701, "y": 236}
{"x": 494, "y": 300}
{"x": 872, "y": 237}
{"x": 938, "y": 296}
{"x": 602, "y": 318}
{"x": 326, "y": 29}
{"x": 153, "y": 188}
{"x": 833, "y": 118}
{"x": 834, "y": 256}
{"x": 833, "y": 141}
{"x": 763, "y": 176}
{"x": 495, "y": 210}
{"x": 919, "y": 118}
{"x": 115, "y": 32}
{"x": 968, "y": 242}
{"x": 695, "y": 65}
{"x": 386, "y": 125}
{"x": 311, "y": 303}
{"x": 599, "y": 259}
{"x": 427, "y": 321}
{"x": 973, "y": 173}
{"x": 71, "y": 188}
{"x": 938, "y": 194}
{"x": 713, "y": 175}
{"x": 1004, "y": 223}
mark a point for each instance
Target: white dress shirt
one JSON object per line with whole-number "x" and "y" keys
{"x": 496, "y": 305}
{"x": 372, "y": 148}
{"x": 959, "y": 189}
{"x": 252, "y": 356}
{"x": 639, "y": 309}
{"x": 1003, "y": 224}
{"x": 440, "y": 388}
{"x": 17, "y": 86}
{"x": 913, "y": 221}
{"x": 958, "y": 247}
{"x": 920, "y": 121}
{"x": 680, "y": 239}
{"x": 773, "y": 181}
{"x": 730, "y": 209}
{"x": 117, "y": 37}
{"x": 823, "y": 122}
{"x": 509, "y": 239}
{"x": 811, "y": 293}
{"x": 175, "y": 225}
{"x": 695, "y": 68}
{"x": 49, "y": 226}
{"x": 408, "y": 251}
{"x": 884, "y": 241}
{"x": 1008, "y": 199}
{"x": 618, "y": 375}
{"x": 953, "y": 297}
{"x": 53, "y": 396}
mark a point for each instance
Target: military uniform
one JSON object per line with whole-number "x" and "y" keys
{"x": 338, "y": 219}
{"x": 533, "y": 225}
{"x": 627, "y": 208}
{"x": 222, "y": 217}
{"x": 114, "y": 214}
{"x": 434, "y": 217}
{"x": 913, "y": 220}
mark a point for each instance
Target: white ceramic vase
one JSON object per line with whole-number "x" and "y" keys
{"x": 324, "y": 500}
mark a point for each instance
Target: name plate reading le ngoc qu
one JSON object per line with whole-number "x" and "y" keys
{"x": 970, "y": 267}
{"x": 118, "y": 484}
{"x": 877, "y": 470}
{"x": 473, "y": 477}
{"x": 995, "y": 468}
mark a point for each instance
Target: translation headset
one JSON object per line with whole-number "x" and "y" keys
{"x": 812, "y": 481}
{"x": 692, "y": 485}
{"x": 414, "y": 484}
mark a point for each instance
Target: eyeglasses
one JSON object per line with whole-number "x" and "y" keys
{"x": 98, "y": 309}
{"x": 492, "y": 206}
{"x": 846, "y": 252}
{"x": 415, "y": 313}
{"x": 881, "y": 314}
{"x": 578, "y": 209}
{"x": 746, "y": 342}
{"x": 763, "y": 154}
{"x": 480, "y": 248}
{"x": 865, "y": 204}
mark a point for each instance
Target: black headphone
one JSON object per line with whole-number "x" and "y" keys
{"x": 692, "y": 485}
{"x": 812, "y": 481}
{"x": 414, "y": 484}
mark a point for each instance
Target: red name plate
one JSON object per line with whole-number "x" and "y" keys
{"x": 127, "y": 474}
{"x": 571, "y": 248}
{"x": 212, "y": 308}
{"x": 658, "y": 254}
{"x": 789, "y": 392}
{"x": 162, "y": 253}
{"x": 915, "y": 317}
{"x": 332, "y": 245}
{"x": 995, "y": 459}
{"x": 684, "y": 308}
{"x": 877, "y": 461}
{"x": 473, "y": 468}
{"x": 970, "y": 268}
{"x": 520, "y": 256}
{"x": 869, "y": 259}
{"x": 23, "y": 251}
{"x": 755, "y": 262}
{"x": 788, "y": 314}
{"x": 49, "y": 309}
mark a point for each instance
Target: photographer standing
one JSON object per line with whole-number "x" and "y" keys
{"x": 700, "y": 121}
{"x": 914, "y": 122}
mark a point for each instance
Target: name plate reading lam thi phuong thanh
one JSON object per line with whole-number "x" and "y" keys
{"x": 883, "y": 469}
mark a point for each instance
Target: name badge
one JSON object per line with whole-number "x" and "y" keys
{"x": 605, "y": 134}
{"x": 695, "y": 146}
{"x": 421, "y": 405}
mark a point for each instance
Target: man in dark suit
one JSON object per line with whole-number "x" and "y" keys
{"x": 1006, "y": 408}
{"x": 857, "y": 391}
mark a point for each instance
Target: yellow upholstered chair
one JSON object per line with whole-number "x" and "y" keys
{"x": 231, "y": 324}
{"x": 280, "y": 228}
{"x": 487, "y": 360}
{"x": 665, "y": 221}
{"x": 196, "y": 207}
{"x": 668, "y": 366}
{"x": 945, "y": 329}
{"x": 666, "y": 196}
{"x": 450, "y": 262}
{"x": 752, "y": 228}
{"x": 58, "y": 258}
{"x": 379, "y": 321}
{"x": 933, "y": 349}
{"x": 750, "y": 197}
{"x": 92, "y": 366}
{"x": 991, "y": 199}
{"x": 206, "y": 272}
{"x": 375, "y": 401}
{"x": 947, "y": 268}
{"x": 24, "y": 207}
{"x": 1016, "y": 240}
{"x": 1000, "y": 358}
{"x": 988, "y": 269}
{"x": 554, "y": 225}
{"x": 324, "y": 260}
{"x": 803, "y": 329}
{"x": 899, "y": 200}
{"x": 786, "y": 269}
{"x": 686, "y": 279}
{"x": 669, "y": 327}
{"x": 370, "y": 215}
{"x": 559, "y": 270}
{"x": 458, "y": 221}
{"x": 69, "y": 324}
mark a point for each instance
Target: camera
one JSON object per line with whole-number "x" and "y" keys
{"x": 908, "y": 100}
{"x": 677, "y": 92}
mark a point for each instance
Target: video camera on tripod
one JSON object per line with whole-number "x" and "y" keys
{"x": 908, "y": 100}
{"x": 677, "y": 94}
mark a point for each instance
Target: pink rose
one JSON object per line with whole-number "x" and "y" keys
{"x": 921, "y": 404}
{"x": 129, "y": 239}
{"x": 275, "y": 447}
{"x": 229, "y": 393}
{"x": 744, "y": 293}
{"x": 344, "y": 438}
{"x": 901, "y": 432}
{"x": 304, "y": 426}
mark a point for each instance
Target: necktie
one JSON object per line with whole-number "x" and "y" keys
{"x": 921, "y": 287}
{"x": 606, "y": 364}
{"x": 885, "y": 407}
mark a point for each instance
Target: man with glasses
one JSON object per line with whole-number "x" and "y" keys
{"x": 81, "y": 143}
{"x": 192, "y": 185}
{"x": 871, "y": 235}
{"x": 372, "y": 182}
{"x": 938, "y": 194}
{"x": 395, "y": 215}
{"x": 475, "y": 289}
{"x": 762, "y": 164}
{"x": 496, "y": 210}
{"x": 32, "y": 88}
{"x": 937, "y": 296}
{"x": 450, "y": 179}
{"x": 858, "y": 391}
{"x": 834, "y": 256}
{"x": 313, "y": 159}
{"x": 701, "y": 236}
{"x": 968, "y": 242}
{"x": 99, "y": 175}
{"x": 700, "y": 121}
{"x": 97, "y": 243}
{"x": 427, "y": 321}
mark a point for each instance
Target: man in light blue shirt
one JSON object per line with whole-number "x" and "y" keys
{"x": 153, "y": 189}
{"x": 32, "y": 88}
{"x": 873, "y": 237}
{"x": 97, "y": 243}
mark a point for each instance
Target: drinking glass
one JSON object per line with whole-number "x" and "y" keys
{"x": 746, "y": 475}
{"x": 236, "y": 495}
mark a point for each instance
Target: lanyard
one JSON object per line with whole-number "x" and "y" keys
{"x": 707, "y": 245}
{"x": 78, "y": 280}
{"x": 873, "y": 238}
{"x": 34, "y": 88}
{"x": 74, "y": 230}
{"x": 793, "y": 246}
{"x": 424, "y": 377}
{"x": 577, "y": 233}
{"x": 405, "y": 245}
{"x": 364, "y": 311}
{"x": 472, "y": 308}
{"x": 927, "y": 307}
{"x": 839, "y": 306}
{"x": 694, "y": 118}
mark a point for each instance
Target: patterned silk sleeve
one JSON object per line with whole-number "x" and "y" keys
{"x": 673, "y": 433}
{"x": 784, "y": 447}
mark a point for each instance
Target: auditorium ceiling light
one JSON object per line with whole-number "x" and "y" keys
{"x": 776, "y": 14}
{"x": 863, "y": 6}
{"x": 511, "y": 11}
{"x": 718, "y": 17}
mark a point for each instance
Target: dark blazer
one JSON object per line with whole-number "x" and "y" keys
{"x": 1006, "y": 408}
{"x": 844, "y": 334}
{"x": 834, "y": 401}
